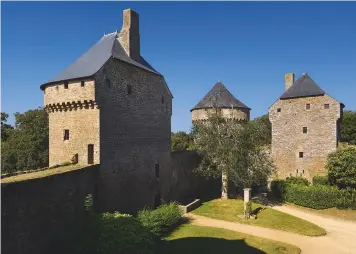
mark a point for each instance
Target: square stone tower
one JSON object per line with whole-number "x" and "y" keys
{"x": 305, "y": 128}
{"x": 110, "y": 107}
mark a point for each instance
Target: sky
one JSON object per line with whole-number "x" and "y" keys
{"x": 249, "y": 46}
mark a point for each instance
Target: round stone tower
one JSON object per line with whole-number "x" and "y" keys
{"x": 219, "y": 98}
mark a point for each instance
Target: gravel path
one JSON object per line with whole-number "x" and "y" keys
{"x": 341, "y": 237}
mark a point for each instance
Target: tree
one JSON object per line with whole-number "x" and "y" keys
{"x": 348, "y": 127}
{"x": 5, "y": 128}
{"x": 265, "y": 128}
{"x": 341, "y": 167}
{"x": 232, "y": 149}
{"x": 26, "y": 146}
{"x": 181, "y": 141}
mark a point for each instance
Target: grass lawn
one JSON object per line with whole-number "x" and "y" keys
{"x": 195, "y": 239}
{"x": 346, "y": 214}
{"x": 42, "y": 173}
{"x": 228, "y": 209}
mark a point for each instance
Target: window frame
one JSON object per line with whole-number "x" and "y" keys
{"x": 305, "y": 130}
{"x": 157, "y": 170}
{"x": 66, "y": 85}
{"x": 66, "y": 134}
{"x": 301, "y": 154}
{"x": 326, "y": 106}
{"x": 82, "y": 83}
{"x": 279, "y": 110}
{"x": 307, "y": 106}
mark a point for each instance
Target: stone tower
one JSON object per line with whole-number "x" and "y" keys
{"x": 110, "y": 107}
{"x": 219, "y": 98}
{"x": 305, "y": 128}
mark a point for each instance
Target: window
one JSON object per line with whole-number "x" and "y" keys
{"x": 307, "y": 106}
{"x": 82, "y": 83}
{"x": 66, "y": 85}
{"x": 162, "y": 100}
{"x": 107, "y": 83}
{"x": 129, "y": 89}
{"x": 300, "y": 154}
{"x": 303, "y": 171}
{"x": 297, "y": 171}
{"x": 66, "y": 134}
{"x": 157, "y": 170}
{"x": 278, "y": 110}
{"x": 326, "y": 106}
{"x": 305, "y": 129}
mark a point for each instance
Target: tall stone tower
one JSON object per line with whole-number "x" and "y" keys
{"x": 305, "y": 128}
{"x": 219, "y": 98}
{"x": 110, "y": 107}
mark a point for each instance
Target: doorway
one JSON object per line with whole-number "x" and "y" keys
{"x": 90, "y": 154}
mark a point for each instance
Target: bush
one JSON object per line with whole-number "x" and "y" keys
{"x": 162, "y": 220}
{"x": 320, "y": 180}
{"x": 347, "y": 199}
{"x": 121, "y": 233}
{"x": 316, "y": 196}
{"x": 341, "y": 167}
{"x": 278, "y": 188}
{"x": 297, "y": 180}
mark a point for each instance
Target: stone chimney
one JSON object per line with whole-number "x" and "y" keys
{"x": 129, "y": 35}
{"x": 288, "y": 80}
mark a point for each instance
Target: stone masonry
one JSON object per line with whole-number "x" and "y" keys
{"x": 302, "y": 135}
{"x": 111, "y": 99}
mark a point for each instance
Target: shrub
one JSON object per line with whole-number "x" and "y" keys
{"x": 320, "y": 180}
{"x": 278, "y": 188}
{"x": 161, "y": 220}
{"x": 121, "y": 233}
{"x": 316, "y": 196}
{"x": 347, "y": 199}
{"x": 341, "y": 167}
{"x": 297, "y": 180}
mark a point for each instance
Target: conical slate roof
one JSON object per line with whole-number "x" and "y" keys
{"x": 91, "y": 61}
{"x": 219, "y": 97}
{"x": 304, "y": 86}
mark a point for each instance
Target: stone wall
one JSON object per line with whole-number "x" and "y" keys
{"x": 187, "y": 185}
{"x": 36, "y": 213}
{"x": 238, "y": 114}
{"x": 135, "y": 128}
{"x": 288, "y": 138}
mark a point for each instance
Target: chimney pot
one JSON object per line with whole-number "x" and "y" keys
{"x": 288, "y": 80}
{"x": 129, "y": 36}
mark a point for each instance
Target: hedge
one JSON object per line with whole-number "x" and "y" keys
{"x": 320, "y": 180}
{"x": 161, "y": 220}
{"x": 315, "y": 196}
{"x": 297, "y": 180}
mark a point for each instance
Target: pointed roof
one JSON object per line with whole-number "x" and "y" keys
{"x": 304, "y": 86}
{"x": 92, "y": 60}
{"x": 219, "y": 97}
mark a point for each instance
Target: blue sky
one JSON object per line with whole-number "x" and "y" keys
{"x": 249, "y": 46}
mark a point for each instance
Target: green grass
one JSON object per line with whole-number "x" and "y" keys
{"x": 229, "y": 209}
{"x": 39, "y": 174}
{"x": 190, "y": 239}
{"x": 345, "y": 214}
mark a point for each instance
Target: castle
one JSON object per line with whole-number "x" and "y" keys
{"x": 219, "y": 98}
{"x": 305, "y": 128}
{"x": 111, "y": 107}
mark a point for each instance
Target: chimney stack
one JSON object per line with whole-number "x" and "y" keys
{"x": 288, "y": 80}
{"x": 129, "y": 36}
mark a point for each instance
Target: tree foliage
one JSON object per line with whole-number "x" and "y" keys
{"x": 25, "y": 146}
{"x": 341, "y": 167}
{"x": 232, "y": 148}
{"x": 348, "y": 127}
{"x": 5, "y": 128}
{"x": 181, "y": 141}
{"x": 265, "y": 128}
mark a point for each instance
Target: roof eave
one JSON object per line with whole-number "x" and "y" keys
{"x": 43, "y": 86}
{"x": 220, "y": 107}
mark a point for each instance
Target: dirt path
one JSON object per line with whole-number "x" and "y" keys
{"x": 338, "y": 244}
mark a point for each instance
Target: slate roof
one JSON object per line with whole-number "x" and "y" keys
{"x": 92, "y": 60}
{"x": 219, "y": 97}
{"x": 304, "y": 86}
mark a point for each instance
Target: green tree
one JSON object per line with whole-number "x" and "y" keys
{"x": 265, "y": 129}
{"x": 26, "y": 146}
{"x": 181, "y": 141}
{"x": 341, "y": 167}
{"x": 5, "y": 128}
{"x": 348, "y": 127}
{"x": 232, "y": 149}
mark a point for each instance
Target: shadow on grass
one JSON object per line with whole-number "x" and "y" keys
{"x": 206, "y": 245}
